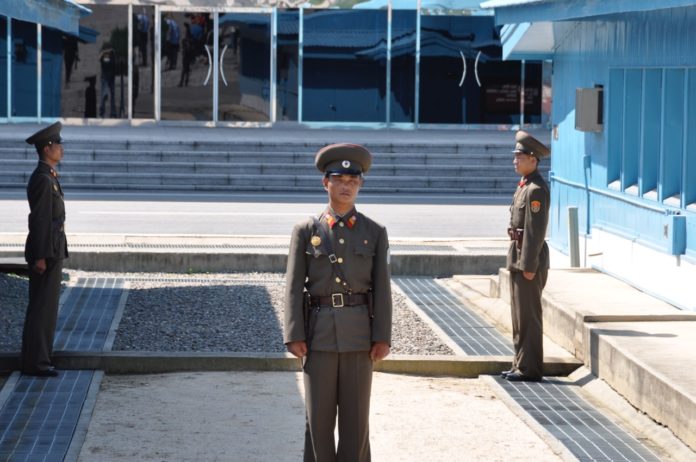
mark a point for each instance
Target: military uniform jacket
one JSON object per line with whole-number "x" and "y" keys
{"x": 362, "y": 248}
{"x": 46, "y": 237}
{"x": 530, "y": 212}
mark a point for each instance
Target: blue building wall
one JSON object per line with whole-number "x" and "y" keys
{"x": 647, "y": 65}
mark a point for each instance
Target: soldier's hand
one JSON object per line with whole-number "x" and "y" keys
{"x": 379, "y": 351}
{"x": 528, "y": 276}
{"x": 40, "y": 266}
{"x": 298, "y": 349}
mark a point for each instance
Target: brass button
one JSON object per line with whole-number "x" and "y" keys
{"x": 341, "y": 224}
{"x": 338, "y": 279}
{"x": 340, "y": 260}
{"x": 341, "y": 241}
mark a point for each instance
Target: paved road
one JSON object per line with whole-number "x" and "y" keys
{"x": 261, "y": 214}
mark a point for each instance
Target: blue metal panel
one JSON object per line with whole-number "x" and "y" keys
{"x": 651, "y": 129}
{"x": 62, "y": 15}
{"x": 689, "y": 178}
{"x": 672, "y": 134}
{"x": 633, "y": 89}
{"x": 615, "y": 126}
{"x": 574, "y": 9}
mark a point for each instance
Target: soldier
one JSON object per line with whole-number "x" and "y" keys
{"x": 338, "y": 310}
{"x": 45, "y": 249}
{"x": 528, "y": 259}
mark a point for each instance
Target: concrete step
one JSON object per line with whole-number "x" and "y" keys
{"x": 67, "y": 168}
{"x": 423, "y": 158}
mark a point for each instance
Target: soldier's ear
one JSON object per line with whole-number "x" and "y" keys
{"x": 325, "y": 182}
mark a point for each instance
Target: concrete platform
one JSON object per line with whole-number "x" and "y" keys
{"x": 642, "y": 347}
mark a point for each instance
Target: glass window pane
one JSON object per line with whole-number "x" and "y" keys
{"x": 462, "y": 77}
{"x": 532, "y": 92}
{"x": 53, "y": 44}
{"x": 287, "y": 64}
{"x": 24, "y": 60}
{"x": 403, "y": 66}
{"x": 143, "y": 60}
{"x": 95, "y": 71}
{"x": 344, "y": 65}
{"x": 187, "y": 80}
{"x": 245, "y": 67}
{"x": 3, "y": 66}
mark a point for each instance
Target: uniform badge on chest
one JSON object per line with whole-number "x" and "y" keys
{"x": 55, "y": 187}
{"x": 536, "y": 206}
{"x": 316, "y": 241}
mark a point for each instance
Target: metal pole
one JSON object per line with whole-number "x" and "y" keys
{"x": 158, "y": 64}
{"x": 216, "y": 66}
{"x": 389, "y": 45}
{"x": 274, "y": 64}
{"x": 130, "y": 63}
{"x": 300, "y": 67}
{"x": 573, "y": 237}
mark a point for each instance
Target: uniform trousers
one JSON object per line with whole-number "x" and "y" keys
{"x": 527, "y": 322}
{"x": 42, "y": 313}
{"x": 337, "y": 382}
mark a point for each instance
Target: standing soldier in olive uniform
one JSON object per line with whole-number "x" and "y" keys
{"x": 338, "y": 311}
{"x": 528, "y": 259}
{"x": 45, "y": 249}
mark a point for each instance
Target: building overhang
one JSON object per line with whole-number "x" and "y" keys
{"x": 528, "y": 24}
{"x": 63, "y": 15}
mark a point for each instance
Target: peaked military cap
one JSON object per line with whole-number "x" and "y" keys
{"x": 47, "y": 135}
{"x": 526, "y": 143}
{"x": 343, "y": 158}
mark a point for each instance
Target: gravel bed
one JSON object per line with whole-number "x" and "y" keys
{"x": 14, "y": 295}
{"x": 240, "y": 312}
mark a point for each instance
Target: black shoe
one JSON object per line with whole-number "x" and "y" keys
{"x": 504, "y": 374}
{"x": 520, "y": 377}
{"x": 50, "y": 372}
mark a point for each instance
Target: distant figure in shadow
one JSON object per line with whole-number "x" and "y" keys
{"x": 187, "y": 56}
{"x": 91, "y": 97}
{"x": 70, "y": 56}
{"x": 107, "y": 61}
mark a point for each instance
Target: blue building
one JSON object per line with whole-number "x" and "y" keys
{"x": 624, "y": 130}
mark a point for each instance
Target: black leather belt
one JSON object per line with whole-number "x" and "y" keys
{"x": 339, "y": 300}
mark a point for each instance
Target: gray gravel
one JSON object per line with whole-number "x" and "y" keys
{"x": 231, "y": 312}
{"x": 14, "y": 295}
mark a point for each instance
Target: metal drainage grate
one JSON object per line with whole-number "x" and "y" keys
{"x": 586, "y": 432}
{"x": 39, "y": 418}
{"x": 474, "y": 335}
{"x": 86, "y": 315}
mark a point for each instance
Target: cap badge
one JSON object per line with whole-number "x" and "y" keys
{"x": 345, "y": 164}
{"x": 316, "y": 241}
{"x": 536, "y": 206}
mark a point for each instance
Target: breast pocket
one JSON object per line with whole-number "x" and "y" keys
{"x": 518, "y": 212}
{"x": 363, "y": 256}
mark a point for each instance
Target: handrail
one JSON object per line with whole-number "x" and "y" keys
{"x": 667, "y": 210}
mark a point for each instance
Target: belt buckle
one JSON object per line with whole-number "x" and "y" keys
{"x": 335, "y": 303}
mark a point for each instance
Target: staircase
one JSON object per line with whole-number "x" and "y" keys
{"x": 242, "y": 165}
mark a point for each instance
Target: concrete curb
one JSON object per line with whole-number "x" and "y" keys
{"x": 143, "y": 362}
{"x": 403, "y": 264}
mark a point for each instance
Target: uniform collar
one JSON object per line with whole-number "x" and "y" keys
{"x": 46, "y": 167}
{"x": 332, "y": 218}
{"x": 525, "y": 180}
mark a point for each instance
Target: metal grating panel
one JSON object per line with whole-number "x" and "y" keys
{"x": 473, "y": 334}
{"x": 40, "y": 416}
{"x": 587, "y": 433}
{"x": 86, "y": 315}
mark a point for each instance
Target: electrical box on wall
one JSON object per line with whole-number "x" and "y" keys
{"x": 589, "y": 108}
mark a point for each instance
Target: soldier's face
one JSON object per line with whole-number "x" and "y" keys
{"x": 524, "y": 163}
{"x": 53, "y": 153}
{"x": 343, "y": 189}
